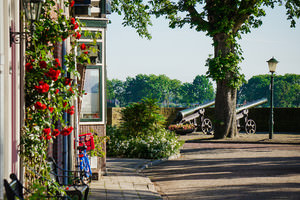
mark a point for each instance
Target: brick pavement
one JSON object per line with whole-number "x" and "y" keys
{"x": 122, "y": 182}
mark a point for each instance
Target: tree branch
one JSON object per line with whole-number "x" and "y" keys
{"x": 196, "y": 18}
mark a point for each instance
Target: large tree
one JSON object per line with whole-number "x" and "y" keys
{"x": 223, "y": 21}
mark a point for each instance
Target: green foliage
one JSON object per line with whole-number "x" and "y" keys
{"x": 142, "y": 117}
{"x": 151, "y": 145}
{"x": 286, "y": 90}
{"x": 49, "y": 85}
{"x": 142, "y": 133}
{"x": 200, "y": 91}
{"x": 162, "y": 88}
{"x": 99, "y": 142}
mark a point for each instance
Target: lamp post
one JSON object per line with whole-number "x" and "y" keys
{"x": 32, "y": 9}
{"x": 272, "y": 63}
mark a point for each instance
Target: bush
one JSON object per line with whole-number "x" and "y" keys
{"x": 142, "y": 133}
{"x": 153, "y": 145}
{"x": 139, "y": 118}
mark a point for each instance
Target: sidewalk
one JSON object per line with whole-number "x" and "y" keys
{"x": 122, "y": 182}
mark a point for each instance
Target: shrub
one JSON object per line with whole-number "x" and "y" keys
{"x": 142, "y": 133}
{"x": 153, "y": 145}
{"x": 139, "y": 118}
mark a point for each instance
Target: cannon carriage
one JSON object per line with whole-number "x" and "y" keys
{"x": 197, "y": 114}
{"x": 193, "y": 115}
{"x": 242, "y": 113}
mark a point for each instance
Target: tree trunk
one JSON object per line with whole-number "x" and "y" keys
{"x": 225, "y": 124}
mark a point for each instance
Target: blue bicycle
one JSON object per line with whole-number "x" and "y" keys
{"x": 84, "y": 164}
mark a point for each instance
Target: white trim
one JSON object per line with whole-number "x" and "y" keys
{"x": 92, "y": 123}
{"x": 95, "y": 19}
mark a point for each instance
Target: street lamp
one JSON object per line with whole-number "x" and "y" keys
{"x": 32, "y": 9}
{"x": 272, "y": 68}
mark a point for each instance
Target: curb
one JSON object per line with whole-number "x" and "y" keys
{"x": 156, "y": 162}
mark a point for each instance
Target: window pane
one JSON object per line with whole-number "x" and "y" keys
{"x": 91, "y": 108}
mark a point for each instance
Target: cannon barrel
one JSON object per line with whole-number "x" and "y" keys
{"x": 189, "y": 111}
{"x": 251, "y": 105}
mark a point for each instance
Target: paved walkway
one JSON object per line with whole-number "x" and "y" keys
{"x": 122, "y": 182}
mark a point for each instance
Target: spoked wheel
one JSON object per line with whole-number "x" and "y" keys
{"x": 250, "y": 126}
{"x": 206, "y": 126}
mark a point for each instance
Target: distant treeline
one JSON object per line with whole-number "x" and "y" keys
{"x": 168, "y": 92}
{"x": 173, "y": 93}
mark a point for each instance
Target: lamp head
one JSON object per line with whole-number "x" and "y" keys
{"x": 272, "y": 64}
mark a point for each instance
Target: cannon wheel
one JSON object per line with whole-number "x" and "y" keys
{"x": 206, "y": 126}
{"x": 250, "y": 126}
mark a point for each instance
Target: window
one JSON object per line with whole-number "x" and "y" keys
{"x": 91, "y": 107}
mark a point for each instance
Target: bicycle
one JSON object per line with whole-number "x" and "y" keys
{"x": 83, "y": 160}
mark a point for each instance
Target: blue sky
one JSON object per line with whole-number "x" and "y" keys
{"x": 181, "y": 53}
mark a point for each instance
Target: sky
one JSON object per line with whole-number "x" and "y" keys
{"x": 181, "y": 53}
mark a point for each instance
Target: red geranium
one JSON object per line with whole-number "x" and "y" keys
{"x": 53, "y": 74}
{"x": 55, "y": 132}
{"x": 51, "y": 109}
{"x": 71, "y": 90}
{"x": 75, "y": 26}
{"x": 77, "y": 35}
{"x": 42, "y": 87}
{"x": 68, "y": 81}
{"x": 56, "y": 91}
{"x": 66, "y": 131}
{"x": 64, "y": 104}
{"x": 72, "y": 3}
{"x": 86, "y": 52}
{"x": 28, "y": 67}
{"x": 40, "y": 106}
{"x": 73, "y": 20}
{"x": 43, "y": 64}
{"x": 83, "y": 47}
{"x": 57, "y": 63}
{"x": 71, "y": 110}
{"x": 47, "y": 131}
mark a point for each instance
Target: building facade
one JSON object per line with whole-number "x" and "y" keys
{"x": 12, "y": 73}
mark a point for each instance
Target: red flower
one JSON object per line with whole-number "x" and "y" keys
{"x": 86, "y": 52}
{"x": 28, "y": 67}
{"x": 40, "y": 106}
{"x": 71, "y": 110}
{"x": 72, "y": 3}
{"x": 51, "y": 109}
{"x": 55, "y": 132}
{"x": 47, "y": 131}
{"x": 73, "y": 20}
{"x": 32, "y": 60}
{"x": 57, "y": 63}
{"x": 75, "y": 26}
{"x": 42, "y": 88}
{"x": 48, "y": 137}
{"x": 43, "y": 64}
{"x": 71, "y": 90}
{"x": 64, "y": 104}
{"x": 83, "y": 47}
{"x": 77, "y": 35}
{"x": 68, "y": 81}
{"x": 56, "y": 91}
{"x": 53, "y": 74}
{"x": 66, "y": 131}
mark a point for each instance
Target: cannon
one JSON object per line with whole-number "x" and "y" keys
{"x": 242, "y": 113}
{"x": 190, "y": 116}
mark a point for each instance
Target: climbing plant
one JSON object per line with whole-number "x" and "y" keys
{"x": 50, "y": 88}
